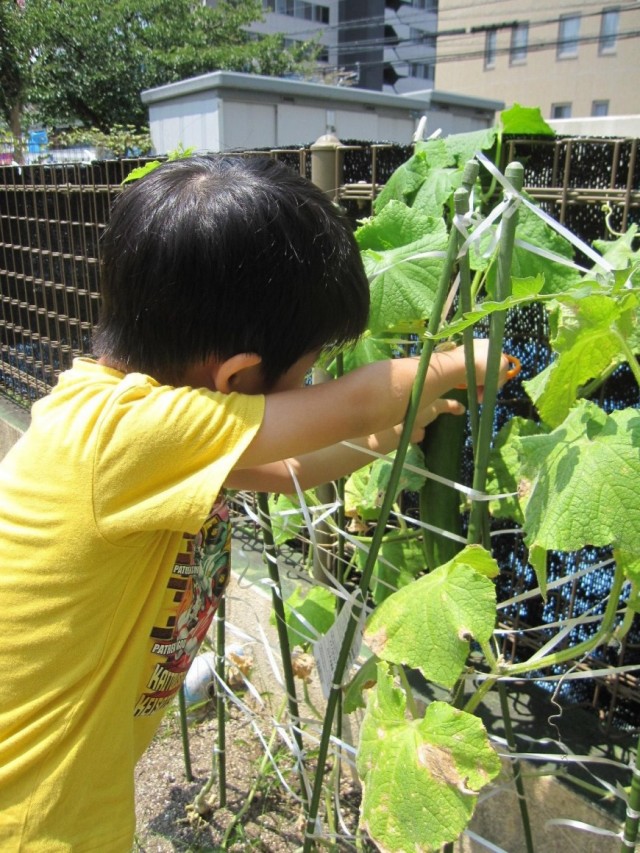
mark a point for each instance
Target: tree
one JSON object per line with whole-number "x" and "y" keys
{"x": 16, "y": 41}
{"x": 89, "y": 60}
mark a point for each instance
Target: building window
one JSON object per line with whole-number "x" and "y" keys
{"x": 321, "y": 14}
{"x": 303, "y": 10}
{"x": 600, "y": 108}
{"x": 422, "y": 70}
{"x": 285, "y": 7}
{"x": 560, "y": 110}
{"x": 568, "y": 32}
{"x": 519, "y": 44}
{"x": 609, "y": 23}
{"x": 490, "y": 43}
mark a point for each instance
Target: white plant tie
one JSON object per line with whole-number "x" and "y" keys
{"x": 549, "y": 220}
{"x": 584, "y": 827}
{"x": 534, "y": 593}
{"x": 473, "y": 836}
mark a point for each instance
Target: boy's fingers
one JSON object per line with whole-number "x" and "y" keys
{"x": 445, "y": 406}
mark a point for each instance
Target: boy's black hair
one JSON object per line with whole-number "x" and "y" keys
{"x": 215, "y": 256}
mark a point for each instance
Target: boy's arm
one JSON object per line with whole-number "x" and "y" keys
{"x": 369, "y": 400}
{"x": 331, "y": 463}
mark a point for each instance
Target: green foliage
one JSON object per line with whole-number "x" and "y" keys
{"x": 570, "y": 472}
{"x": 590, "y": 340}
{"x": 400, "y": 559}
{"x": 366, "y": 487}
{"x": 309, "y": 616}
{"x": 524, "y": 121}
{"x": 580, "y": 483}
{"x": 421, "y": 777}
{"x": 118, "y": 141}
{"x": 454, "y": 604}
{"x": 88, "y": 61}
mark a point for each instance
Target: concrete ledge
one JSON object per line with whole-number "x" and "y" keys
{"x": 14, "y": 420}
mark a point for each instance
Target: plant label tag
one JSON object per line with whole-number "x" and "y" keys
{"x": 327, "y": 649}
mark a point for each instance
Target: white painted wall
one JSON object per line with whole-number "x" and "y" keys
{"x": 225, "y": 111}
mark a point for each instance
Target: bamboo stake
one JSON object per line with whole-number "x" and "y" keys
{"x": 478, "y": 521}
{"x": 270, "y": 555}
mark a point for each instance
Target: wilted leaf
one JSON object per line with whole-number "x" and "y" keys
{"x": 420, "y": 777}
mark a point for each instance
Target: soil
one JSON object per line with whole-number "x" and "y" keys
{"x": 167, "y": 819}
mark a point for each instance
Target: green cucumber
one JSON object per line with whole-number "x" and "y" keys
{"x": 443, "y": 447}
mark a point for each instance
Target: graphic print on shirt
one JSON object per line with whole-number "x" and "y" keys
{"x": 197, "y": 582}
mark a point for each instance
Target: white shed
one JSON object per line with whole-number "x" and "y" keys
{"x": 225, "y": 110}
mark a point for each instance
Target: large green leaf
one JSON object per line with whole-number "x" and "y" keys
{"x": 403, "y": 287}
{"x": 420, "y": 777}
{"x": 395, "y": 225}
{"x": 589, "y": 340}
{"x": 524, "y": 120}
{"x": 526, "y": 264}
{"x": 429, "y": 624}
{"x": 365, "y": 351}
{"x": 286, "y": 518}
{"x": 425, "y": 180}
{"x": 582, "y": 481}
{"x": 621, "y": 253}
{"x": 404, "y": 182}
{"x": 463, "y": 146}
{"x": 437, "y": 188}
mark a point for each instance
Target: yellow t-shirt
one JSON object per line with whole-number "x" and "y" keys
{"x": 113, "y": 554}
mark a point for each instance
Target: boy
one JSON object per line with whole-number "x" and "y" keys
{"x": 221, "y": 280}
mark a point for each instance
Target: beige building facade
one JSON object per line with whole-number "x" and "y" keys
{"x": 571, "y": 59}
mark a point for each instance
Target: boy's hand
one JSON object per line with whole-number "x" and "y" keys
{"x": 428, "y": 414}
{"x": 509, "y": 365}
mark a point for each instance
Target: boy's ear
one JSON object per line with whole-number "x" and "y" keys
{"x": 237, "y": 373}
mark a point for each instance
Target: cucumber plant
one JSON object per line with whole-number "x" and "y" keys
{"x": 541, "y": 471}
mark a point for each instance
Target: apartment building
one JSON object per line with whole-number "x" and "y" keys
{"x": 572, "y": 59}
{"x": 385, "y": 45}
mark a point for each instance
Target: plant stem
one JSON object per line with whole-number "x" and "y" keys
{"x": 221, "y": 704}
{"x": 264, "y": 763}
{"x": 270, "y": 555}
{"x": 604, "y": 632}
{"x": 630, "y": 833}
{"x": 184, "y": 734}
{"x": 630, "y": 356}
{"x": 517, "y": 768}
{"x": 461, "y": 197}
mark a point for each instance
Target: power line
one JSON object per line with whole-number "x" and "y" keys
{"x": 423, "y": 15}
{"x": 535, "y": 47}
{"x": 371, "y": 44}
